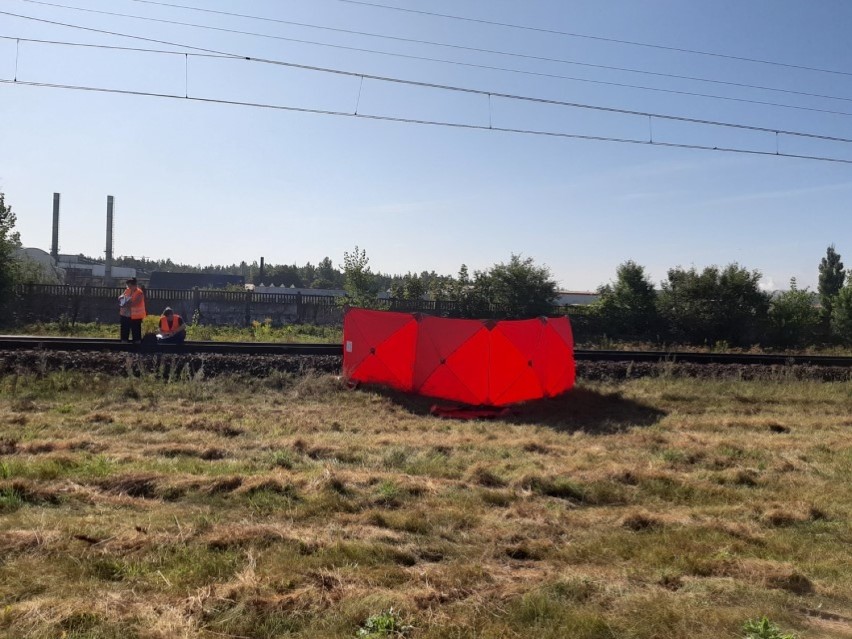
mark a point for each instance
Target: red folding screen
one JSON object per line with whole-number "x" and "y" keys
{"x": 478, "y": 362}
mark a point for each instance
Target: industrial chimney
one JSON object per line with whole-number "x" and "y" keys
{"x": 108, "y": 266}
{"x": 54, "y": 244}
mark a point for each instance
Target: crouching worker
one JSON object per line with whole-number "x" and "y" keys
{"x": 172, "y": 328}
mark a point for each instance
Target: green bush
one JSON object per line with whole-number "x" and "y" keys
{"x": 715, "y": 305}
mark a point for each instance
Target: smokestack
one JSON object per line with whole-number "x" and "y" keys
{"x": 54, "y": 244}
{"x": 108, "y": 267}
{"x": 260, "y": 275}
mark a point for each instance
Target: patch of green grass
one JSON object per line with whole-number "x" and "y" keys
{"x": 10, "y": 500}
{"x": 547, "y": 614}
{"x": 80, "y": 466}
{"x": 190, "y": 566}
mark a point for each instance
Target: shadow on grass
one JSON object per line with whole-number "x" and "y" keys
{"x": 580, "y": 409}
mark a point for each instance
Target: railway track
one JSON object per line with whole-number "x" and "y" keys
{"x": 21, "y": 342}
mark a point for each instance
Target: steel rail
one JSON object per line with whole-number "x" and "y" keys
{"x": 27, "y": 342}
{"x": 689, "y": 357}
{"x": 20, "y": 342}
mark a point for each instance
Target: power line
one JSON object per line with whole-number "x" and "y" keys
{"x": 446, "y": 45}
{"x": 586, "y": 36}
{"x": 539, "y": 74}
{"x": 459, "y": 89}
{"x": 455, "y": 125}
{"x": 122, "y": 35}
{"x": 482, "y": 50}
{"x": 113, "y": 47}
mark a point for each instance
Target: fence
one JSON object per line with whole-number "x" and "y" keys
{"x": 50, "y": 303}
{"x": 46, "y": 303}
{"x": 161, "y": 294}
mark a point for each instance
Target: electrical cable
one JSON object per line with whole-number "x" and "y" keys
{"x": 122, "y": 35}
{"x": 586, "y": 36}
{"x": 456, "y": 125}
{"x": 113, "y": 47}
{"x": 438, "y": 44}
{"x": 547, "y": 75}
{"x": 468, "y": 64}
{"x": 458, "y": 89}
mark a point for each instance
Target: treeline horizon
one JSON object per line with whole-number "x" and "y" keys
{"x": 323, "y": 275}
{"x": 725, "y": 306}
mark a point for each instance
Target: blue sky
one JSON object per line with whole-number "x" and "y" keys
{"x": 210, "y": 183}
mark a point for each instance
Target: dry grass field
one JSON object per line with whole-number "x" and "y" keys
{"x": 281, "y": 507}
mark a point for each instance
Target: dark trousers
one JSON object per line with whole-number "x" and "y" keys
{"x": 129, "y": 326}
{"x": 177, "y": 338}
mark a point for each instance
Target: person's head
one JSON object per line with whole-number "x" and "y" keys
{"x": 168, "y": 312}
{"x": 131, "y": 282}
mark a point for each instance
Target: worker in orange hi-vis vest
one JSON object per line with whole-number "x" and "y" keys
{"x": 172, "y": 328}
{"x": 131, "y": 308}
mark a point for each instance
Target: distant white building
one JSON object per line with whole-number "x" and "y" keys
{"x": 578, "y": 298}
{"x": 292, "y": 290}
{"x": 80, "y": 270}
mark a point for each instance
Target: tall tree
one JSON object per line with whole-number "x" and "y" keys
{"x": 793, "y": 318}
{"x": 628, "y": 306}
{"x": 409, "y": 287}
{"x": 358, "y": 280}
{"x": 326, "y": 276}
{"x": 517, "y": 289}
{"x": 9, "y": 241}
{"x": 831, "y": 278}
{"x": 841, "y": 315}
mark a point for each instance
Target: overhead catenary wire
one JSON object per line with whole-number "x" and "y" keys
{"x": 459, "y": 89}
{"x": 600, "y": 82}
{"x": 456, "y": 125}
{"x": 456, "y": 47}
{"x": 586, "y": 36}
{"x": 534, "y": 73}
{"x": 122, "y": 35}
{"x": 92, "y": 45}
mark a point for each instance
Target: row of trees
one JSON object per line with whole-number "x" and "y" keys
{"x": 323, "y": 275}
{"x": 726, "y": 305}
{"x": 709, "y": 306}
{"x": 515, "y": 289}
{"x": 691, "y": 306}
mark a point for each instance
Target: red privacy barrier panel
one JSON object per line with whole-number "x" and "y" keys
{"x": 478, "y": 362}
